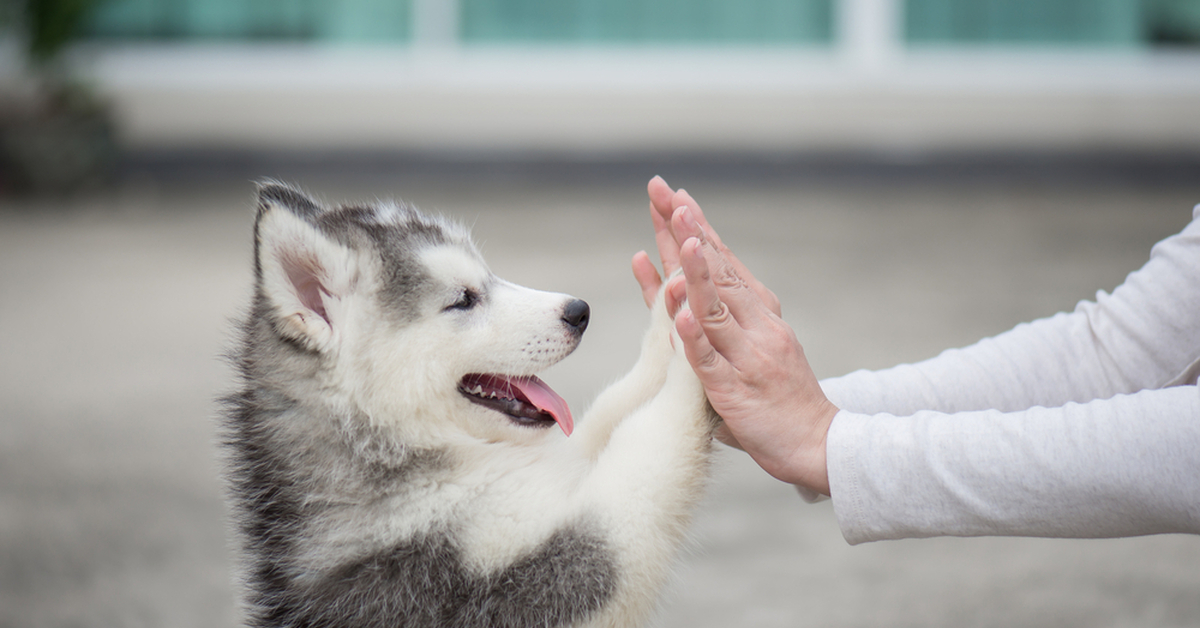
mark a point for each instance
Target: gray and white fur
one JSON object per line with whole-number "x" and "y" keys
{"x": 381, "y": 475}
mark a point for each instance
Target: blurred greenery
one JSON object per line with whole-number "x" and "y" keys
{"x": 52, "y": 24}
{"x": 1172, "y": 22}
{"x": 59, "y": 135}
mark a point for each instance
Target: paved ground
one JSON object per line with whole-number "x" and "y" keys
{"x": 114, "y": 308}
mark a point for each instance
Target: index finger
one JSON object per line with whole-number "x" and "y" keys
{"x": 729, "y": 286}
{"x": 721, "y": 326}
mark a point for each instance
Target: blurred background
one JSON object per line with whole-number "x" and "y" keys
{"x": 619, "y": 77}
{"x": 908, "y": 175}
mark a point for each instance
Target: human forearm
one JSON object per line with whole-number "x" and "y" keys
{"x": 1117, "y": 467}
{"x": 1048, "y": 362}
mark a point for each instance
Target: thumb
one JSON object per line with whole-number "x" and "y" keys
{"x": 710, "y": 366}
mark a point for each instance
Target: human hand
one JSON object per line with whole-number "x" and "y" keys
{"x": 663, "y": 203}
{"x": 751, "y": 365}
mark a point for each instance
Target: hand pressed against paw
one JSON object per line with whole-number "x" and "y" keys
{"x": 751, "y": 365}
{"x": 754, "y": 371}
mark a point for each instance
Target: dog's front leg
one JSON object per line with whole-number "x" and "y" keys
{"x": 633, "y": 390}
{"x": 648, "y": 481}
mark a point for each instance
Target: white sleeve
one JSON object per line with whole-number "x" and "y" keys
{"x": 1146, "y": 334}
{"x": 1035, "y": 432}
{"x": 1125, "y": 466}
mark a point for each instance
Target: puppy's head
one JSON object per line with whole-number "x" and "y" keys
{"x": 406, "y": 323}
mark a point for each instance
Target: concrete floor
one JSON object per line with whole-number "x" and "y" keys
{"x": 115, "y": 308}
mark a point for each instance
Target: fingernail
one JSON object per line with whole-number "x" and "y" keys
{"x": 690, "y": 222}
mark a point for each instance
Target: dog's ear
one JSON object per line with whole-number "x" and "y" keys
{"x": 304, "y": 274}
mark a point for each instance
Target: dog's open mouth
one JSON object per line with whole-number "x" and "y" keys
{"x": 526, "y": 400}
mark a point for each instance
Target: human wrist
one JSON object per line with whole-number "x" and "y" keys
{"x": 808, "y": 465}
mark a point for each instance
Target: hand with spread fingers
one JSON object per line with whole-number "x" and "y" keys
{"x": 749, "y": 361}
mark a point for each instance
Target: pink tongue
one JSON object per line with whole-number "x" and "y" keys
{"x": 546, "y": 400}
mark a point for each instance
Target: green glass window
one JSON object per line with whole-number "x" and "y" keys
{"x": 648, "y": 21}
{"x": 655, "y": 22}
{"x": 330, "y": 20}
{"x": 1067, "y": 22}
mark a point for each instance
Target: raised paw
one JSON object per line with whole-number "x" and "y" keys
{"x": 661, "y": 320}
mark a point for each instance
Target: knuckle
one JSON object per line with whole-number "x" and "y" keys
{"x": 772, "y": 302}
{"x": 780, "y": 334}
{"x": 707, "y": 360}
{"x": 783, "y": 339}
{"x": 718, "y": 314}
{"x": 724, "y": 276}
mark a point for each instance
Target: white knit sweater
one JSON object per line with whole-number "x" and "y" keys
{"x": 1085, "y": 424}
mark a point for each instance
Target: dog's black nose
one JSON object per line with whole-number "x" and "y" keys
{"x": 575, "y": 315}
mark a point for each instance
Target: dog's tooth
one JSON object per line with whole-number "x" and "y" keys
{"x": 477, "y": 390}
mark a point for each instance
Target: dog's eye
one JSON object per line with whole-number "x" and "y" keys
{"x": 467, "y": 300}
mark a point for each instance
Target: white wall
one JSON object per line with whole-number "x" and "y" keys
{"x": 867, "y": 94}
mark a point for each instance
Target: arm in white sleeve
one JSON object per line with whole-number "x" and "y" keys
{"x": 1125, "y": 466}
{"x": 1146, "y": 334}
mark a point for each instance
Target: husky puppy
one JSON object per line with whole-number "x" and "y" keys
{"x": 393, "y": 459}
